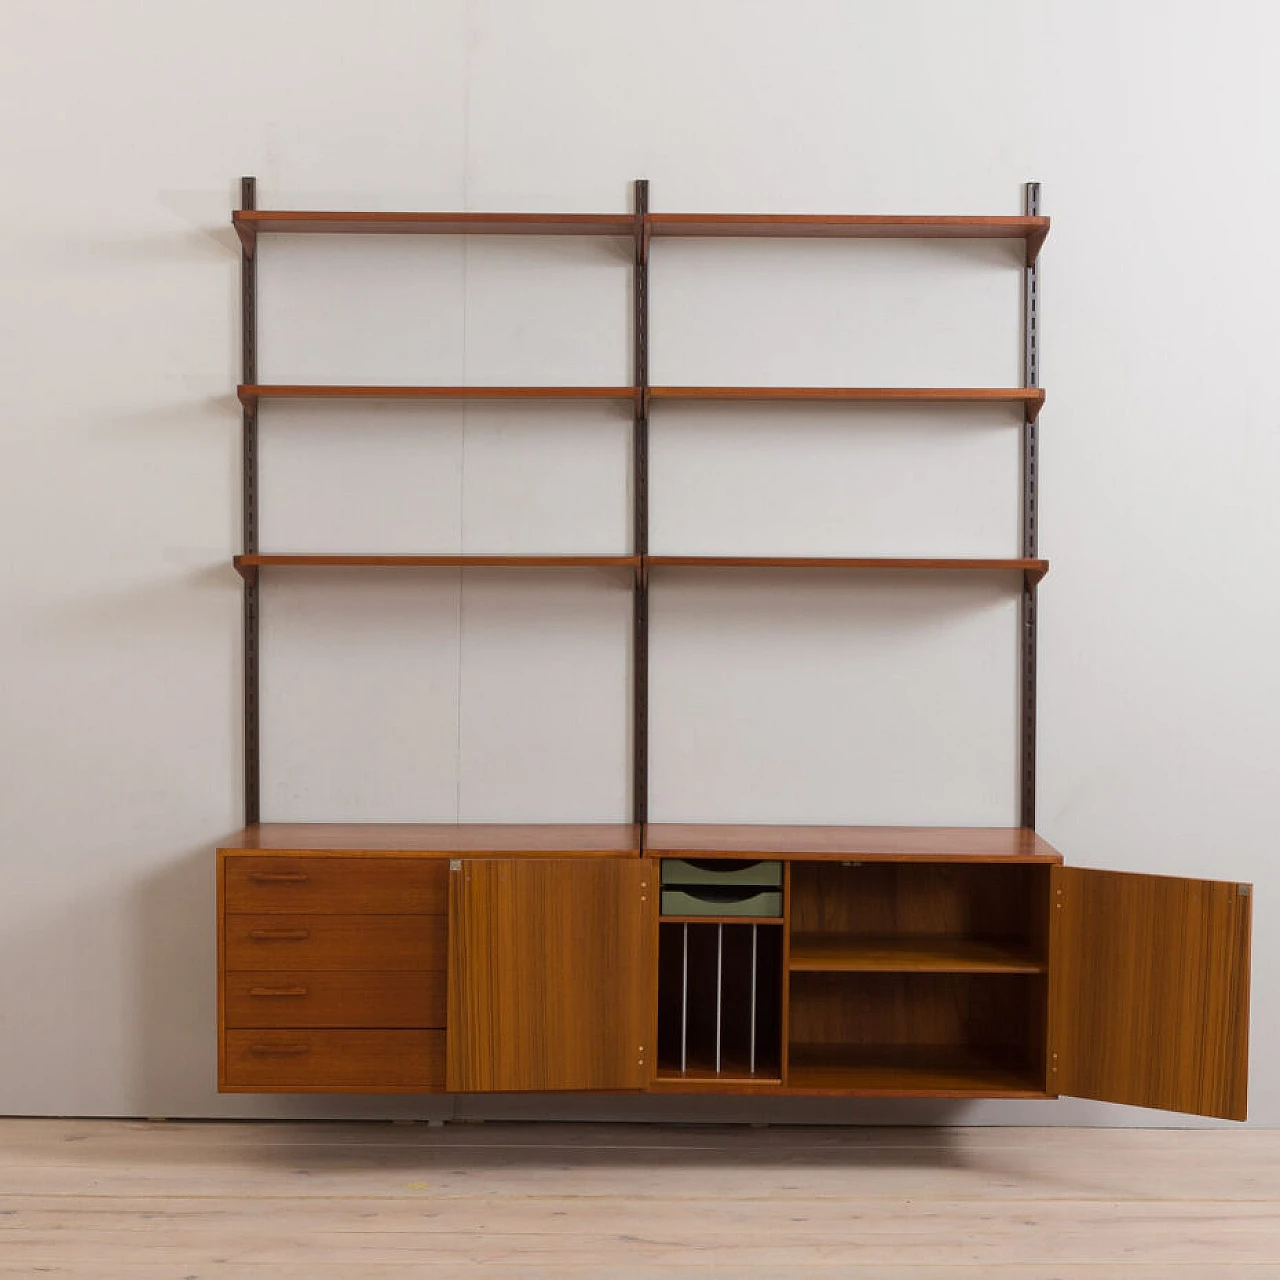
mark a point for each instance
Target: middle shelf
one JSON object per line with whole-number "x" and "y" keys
{"x": 1031, "y": 398}
{"x": 248, "y": 565}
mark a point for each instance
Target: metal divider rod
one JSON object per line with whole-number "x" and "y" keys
{"x": 754, "y": 932}
{"x": 719, "y": 989}
{"x": 684, "y": 1003}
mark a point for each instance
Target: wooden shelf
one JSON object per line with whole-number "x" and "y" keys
{"x": 731, "y": 1074}
{"x": 849, "y": 953}
{"x": 250, "y": 223}
{"x": 248, "y": 565}
{"x": 1032, "y": 398}
{"x": 854, "y": 226}
{"x": 774, "y": 920}
{"x": 1032, "y": 570}
{"x": 1001, "y": 845}
{"x": 498, "y": 838}
{"x": 906, "y": 1071}
{"x": 251, "y": 394}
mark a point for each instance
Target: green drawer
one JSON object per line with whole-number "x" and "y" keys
{"x": 760, "y": 874}
{"x": 706, "y": 900}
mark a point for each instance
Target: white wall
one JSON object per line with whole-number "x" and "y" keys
{"x": 1151, "y": 126}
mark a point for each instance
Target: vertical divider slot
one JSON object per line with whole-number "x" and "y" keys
{"x": 719, "y": 1000}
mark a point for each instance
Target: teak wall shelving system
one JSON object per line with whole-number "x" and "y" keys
{"x": 957, "y": 962}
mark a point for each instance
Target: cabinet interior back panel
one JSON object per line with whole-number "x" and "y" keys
{"x": 878, "y": 697}
{"x": 835, "y": 312}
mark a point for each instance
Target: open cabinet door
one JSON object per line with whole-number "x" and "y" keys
{"x": 551, "y": 974}
{"x": 1149, "y": 991}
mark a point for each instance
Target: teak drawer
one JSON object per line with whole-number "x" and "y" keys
{"x": 336, "y": 942}
{"x": 335, "y": 1061}
{"x": 310, "y": 998}
{"x": 350, "y": 886}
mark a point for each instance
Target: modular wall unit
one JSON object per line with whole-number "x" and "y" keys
{"x": 641, "y": 957}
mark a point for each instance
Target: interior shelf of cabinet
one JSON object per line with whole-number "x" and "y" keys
{"x": 852, "y": 953}
{"x": 250, "y": 394}
{"x": 250, "y": 223}
{"x": 1031, "y": 398}
{"x": 911, "y": 1070}
{"x": 721, "y": 919}
{"x": 731, "y": 1073}
{"x": 1032, "y": 570}
{"x": 248, "y": 565}
{"x": 1032, "y": 230}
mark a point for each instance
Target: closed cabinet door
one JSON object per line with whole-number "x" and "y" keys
{"x": 551, "y": 974}
{"x": 1149, "y": 999}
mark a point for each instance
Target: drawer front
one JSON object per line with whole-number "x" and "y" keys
{"x": 335, "y": 1061}
{"x": 318, "y": 886}
{"x": 702, "y": 900}
{"x": 311, "y": 998}
{"x": 760, "y": 874}
{"x": 353, "y": 943}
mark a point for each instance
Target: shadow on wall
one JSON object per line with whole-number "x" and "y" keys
{"x": 176, "y": 1053}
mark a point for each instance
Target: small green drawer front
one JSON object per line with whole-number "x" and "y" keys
{"x": 704, "y": 900}
{"x": 759, "y": 874}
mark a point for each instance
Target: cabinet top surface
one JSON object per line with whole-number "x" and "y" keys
{"x": 612, "y": 839}
{"x": 958, "y": 844}
{"x": 710, "y": 840}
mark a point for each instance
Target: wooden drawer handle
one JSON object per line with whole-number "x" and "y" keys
{"x": 278, "y": 991}
{"x": 278, "y": 877}
{"x": 279, "y": 1050}
{"x": 279, "y": 935}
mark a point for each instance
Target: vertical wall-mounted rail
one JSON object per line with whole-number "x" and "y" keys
{"x": 1030, "y": 524}
{"x": 249, "y": 505}
{"x": 640, "y": 501}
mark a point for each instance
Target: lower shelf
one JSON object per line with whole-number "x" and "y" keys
{"x": 910, "y": 1071}
{"x": 732, "y": 1072}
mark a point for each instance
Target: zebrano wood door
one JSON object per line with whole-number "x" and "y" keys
{"x": 1149, "y": 991}
{"x": 551, "y": 974}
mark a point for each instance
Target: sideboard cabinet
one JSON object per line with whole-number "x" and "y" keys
{"x": 838, "y": 961}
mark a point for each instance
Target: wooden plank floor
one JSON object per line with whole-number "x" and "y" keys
{"x": 214, "y": 1201}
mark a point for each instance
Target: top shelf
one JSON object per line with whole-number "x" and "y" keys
{"x": 249, "y": 223}
{"x": 853, "y": 227}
